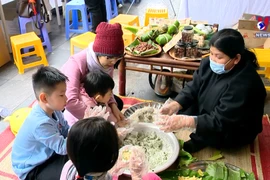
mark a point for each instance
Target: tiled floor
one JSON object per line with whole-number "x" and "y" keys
{"x": 16, "y": 90}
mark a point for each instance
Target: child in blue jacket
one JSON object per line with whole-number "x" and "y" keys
{"x": 39, "y": 150}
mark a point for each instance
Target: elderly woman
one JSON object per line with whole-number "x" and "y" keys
{"x": 225, "y": 100}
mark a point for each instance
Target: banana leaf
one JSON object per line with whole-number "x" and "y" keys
{"x": 217, "y": 155}
{"x": 136, "y": 52}
{"x": 135, "y": 43}
{"x": 198, "y": 31}
{"x": 130, "y": 47}
{"x": 185, "y": 157}
{"x": 152, "y": 43}
{"x": 132, "y": 29}
{"x": 148, "y": 52}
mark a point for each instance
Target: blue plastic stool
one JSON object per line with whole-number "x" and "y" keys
{"x": 111, "y": 9}
{"x": 74, "y": 6}
{"x": 43, "y": 32}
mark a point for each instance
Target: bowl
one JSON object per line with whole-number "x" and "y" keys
{"x": 169, "y": 137}
{"x": 133, "y": 108}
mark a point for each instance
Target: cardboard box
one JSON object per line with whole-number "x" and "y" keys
{"x": 4, "y": 54}
{"x": 253, "y": 36}
{"x": 11, "y": 17}
{"x": 267, "y": 44}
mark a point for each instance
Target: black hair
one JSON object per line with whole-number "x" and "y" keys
{"x": 117, "y": 64}
{"x": 110, "y": 56}
{"x": 92, "y": 145}
{"x": 231, "y": 43}
{"x": 98, "y": 82}
{"x": 45, "y": 79}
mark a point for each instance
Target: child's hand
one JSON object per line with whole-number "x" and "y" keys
{"x": 117, "y": 113}
{"x": 122, "y": 161}
{"x": 96, "y": 111}
{"x": 138, "y": 163}
{"x": 123, "y": 123}
{"x": 123, "y": 132}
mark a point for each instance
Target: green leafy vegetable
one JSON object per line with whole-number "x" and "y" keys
{"x": 185, "y": 157}
{"x": 208, "y": 178}
{"x": 184, "y": 172}
{"x": 217, "y": 155}
{"x": 169, "y": 174}
{"x": 233, "y": 175}
{"x": 250, "y": 176}
{"x": 217, "y": 170}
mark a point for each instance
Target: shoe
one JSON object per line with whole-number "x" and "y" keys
{"x": 120, "y": 6}
{"x": 192, "y": 146}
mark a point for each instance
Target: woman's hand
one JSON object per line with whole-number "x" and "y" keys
{"x": 175, "y": 122}
{"x": 170, "y": 107}
{"x": 117, "y": 113}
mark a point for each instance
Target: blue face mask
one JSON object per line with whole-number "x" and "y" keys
{"x": 218, "y": 68}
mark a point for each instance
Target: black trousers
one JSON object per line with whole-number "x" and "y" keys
{"x": 50, "y": 169}
{"x": 98, "y": 10}
{"x": 119, "y": 102}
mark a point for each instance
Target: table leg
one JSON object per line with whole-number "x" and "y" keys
{"x": 122, "y": 78}
{"x": 57, "y": 13}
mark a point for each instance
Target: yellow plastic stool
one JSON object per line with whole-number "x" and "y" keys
{"x": 263, "y": 57}
{"x": 21, "y": 41}
{"x": 128, "y": 37}
{"x": 81, "y": 41}
{"x": 126, "y": 19}
{"x": 155, "y": 13}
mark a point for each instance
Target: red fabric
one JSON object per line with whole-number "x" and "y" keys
{"x": 109, "y": 39}
{"x": 264, "y": 145}
{"x": 6, "y": 137}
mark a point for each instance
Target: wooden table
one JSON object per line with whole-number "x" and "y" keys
{"x": 163, "y": 60}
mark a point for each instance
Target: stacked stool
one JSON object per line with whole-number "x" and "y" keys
{"x": 27, "y": 40}
{"x": 126, "y": 19}
{"x": 155, "y": 13}
{"x": 81, "y": 41}
{"x": 128, "y": 37}
{"x": 43, "y": 31}
{"x": 74, "y": 6}
{"x": 264, "y": 62}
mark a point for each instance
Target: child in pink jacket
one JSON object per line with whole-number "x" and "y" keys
{"x": 102, "y": 54}
{"x": 97, "y": 91}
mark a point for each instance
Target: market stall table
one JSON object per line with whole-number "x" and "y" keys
{"x": 162, "y": 61}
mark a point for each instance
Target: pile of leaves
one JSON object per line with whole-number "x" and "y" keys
{"x": 214, "y": 170}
